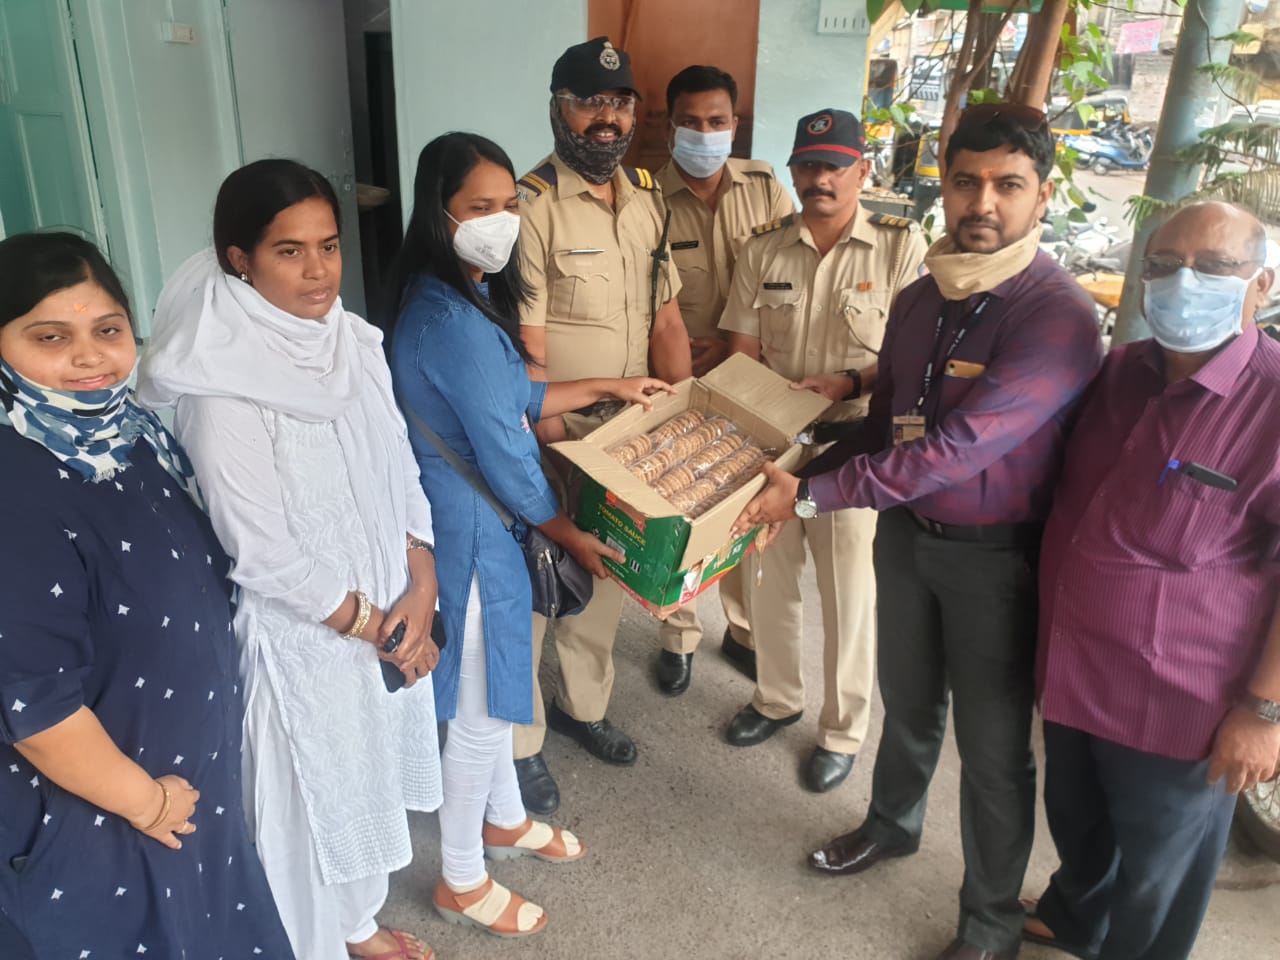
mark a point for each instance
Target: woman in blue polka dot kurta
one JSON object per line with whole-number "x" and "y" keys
{"x": 122, "y": 831}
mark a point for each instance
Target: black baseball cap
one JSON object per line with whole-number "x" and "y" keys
{"x": 586, "y": 69}
{"x": 828, "y": 136}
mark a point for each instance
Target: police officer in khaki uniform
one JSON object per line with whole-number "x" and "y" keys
{"x": 810, "y": 295}
{"x": 714, "y": 201}
{"x": 602, "y": 304}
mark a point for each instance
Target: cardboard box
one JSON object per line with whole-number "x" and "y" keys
{"x": 670, "y": 559}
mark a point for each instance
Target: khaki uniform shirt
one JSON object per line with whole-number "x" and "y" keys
{"x": 705, "y": 244}
{"x": 821, "y": 315}
{"x": 590, "y": 270}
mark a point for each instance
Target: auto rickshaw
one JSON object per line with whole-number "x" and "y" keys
{"x": 1068, "y": 119}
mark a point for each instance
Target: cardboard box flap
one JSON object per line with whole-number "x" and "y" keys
{"x": 615, "y": 478}
{"x": 758, "y": 388}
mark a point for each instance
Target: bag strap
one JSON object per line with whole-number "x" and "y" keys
{"x": 464, "y": 469}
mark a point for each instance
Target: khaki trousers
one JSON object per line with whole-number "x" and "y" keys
{"x": 681, "y": 631}
{"x": 841, "y": 547}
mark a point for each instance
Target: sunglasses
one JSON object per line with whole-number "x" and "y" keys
{"x": 1028, "y": 118}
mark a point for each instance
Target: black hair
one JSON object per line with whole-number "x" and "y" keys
{"x": 443, "y": 165}
{"x": 699, "y": 79}
{"x": 250, "y": 198}
{"x": 35, "y": 265}
{"x": 995, "y": 128}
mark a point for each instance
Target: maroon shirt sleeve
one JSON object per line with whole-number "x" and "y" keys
{"x": 1041, "y": 367}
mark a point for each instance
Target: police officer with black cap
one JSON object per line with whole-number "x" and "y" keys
{"x": 602, "y": 304}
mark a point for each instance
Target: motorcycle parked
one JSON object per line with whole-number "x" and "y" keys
{"x": 1116, "y": 144}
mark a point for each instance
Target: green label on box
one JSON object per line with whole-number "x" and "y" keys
{"x": 653, "y": 547}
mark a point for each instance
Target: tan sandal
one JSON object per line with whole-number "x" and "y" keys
{"x": 491, "y": 907}
{"x": 532, "y": 839}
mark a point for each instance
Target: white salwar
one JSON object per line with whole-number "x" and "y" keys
{"x": 305, "y": 463}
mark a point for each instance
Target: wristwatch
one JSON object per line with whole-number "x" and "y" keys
{"x": 1268, "y": 710}
{"x": 856, "y": 377}
{"x": 806, "y": 508}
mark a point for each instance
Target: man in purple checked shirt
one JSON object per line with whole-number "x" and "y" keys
{"x": 1159, "y": 661}
{"x": 981, "y": 366}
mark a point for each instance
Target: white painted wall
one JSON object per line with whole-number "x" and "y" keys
{"x": 799, "y": 71}
{"x": 482, "y": 66}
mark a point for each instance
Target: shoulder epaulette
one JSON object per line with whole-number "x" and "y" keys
{"x": 640, "y": 177}
{"x": 762, "y": 229}
{"x": 539, "y": 181}
{"x": 888, "y": 220}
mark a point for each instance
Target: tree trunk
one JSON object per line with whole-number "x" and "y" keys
{"x": 1030, "y": 81}
{"x": 976, "y": 50}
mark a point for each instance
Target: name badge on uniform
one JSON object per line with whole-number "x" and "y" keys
{"x": 907, "y": 427}
{"x": 778, "y": 285}
{"x": 685, "y": 245}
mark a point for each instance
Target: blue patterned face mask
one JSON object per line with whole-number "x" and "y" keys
{"x": 91, "y": 431}
{"x": 1191, "y": 313}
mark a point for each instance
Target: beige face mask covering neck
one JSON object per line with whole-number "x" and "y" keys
{"x": 961, "y": 275}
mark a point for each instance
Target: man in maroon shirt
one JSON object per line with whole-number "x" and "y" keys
{"x": 1159, "y": 660}
{"x": 982, "y": 363}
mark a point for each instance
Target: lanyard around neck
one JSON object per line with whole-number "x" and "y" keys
{"x": 965, "y": 323}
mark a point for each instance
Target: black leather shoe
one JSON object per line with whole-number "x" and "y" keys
{"x": 674, "y": 672}
{"x": 602, "y": 739}
{"x": 743, "y": 658}
{"x": 959, "y": 950}
{"x": 538, "y": 788}
{"x": 826, "y": 769}
{"x": 854, "y": 852}
{"x": 750, "y": 727}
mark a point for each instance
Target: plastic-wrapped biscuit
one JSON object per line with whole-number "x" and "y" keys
{"x": 677, "y": 426}
{"x": 714, "y": 452}
{"x": 690, "y": 498}
{"x": 744, "y": 463}
{"x": 629, "y": 451}
{"x": 677, "y": 478}
{"x": 654, "y": 465}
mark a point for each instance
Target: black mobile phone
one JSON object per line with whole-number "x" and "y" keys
{"x": 393, "y": 677}
{"x": 1210, "y": 478}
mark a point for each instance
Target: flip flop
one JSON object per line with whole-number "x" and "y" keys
{"x": 401, "y": 953}
{"x": 1031, "y": 907}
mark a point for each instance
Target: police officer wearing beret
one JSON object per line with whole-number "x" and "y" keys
{"x": 811, "y": 294}
{"x": 602, "y": 303}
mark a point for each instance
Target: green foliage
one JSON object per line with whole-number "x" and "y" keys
{"x": 1083, "y": 62}
{"x": 983, "y": 96}
{"x": 1243, "y": 84}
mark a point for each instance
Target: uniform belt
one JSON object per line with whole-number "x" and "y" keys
{"x": 1001, "y": 534}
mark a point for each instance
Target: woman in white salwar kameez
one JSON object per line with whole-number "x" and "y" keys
{"x": 284, "y": 403}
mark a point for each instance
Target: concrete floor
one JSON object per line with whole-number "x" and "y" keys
{"x": 698, "y": 851}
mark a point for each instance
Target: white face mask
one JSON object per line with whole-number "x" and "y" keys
{"x": 486, "y": 242}
{"x": 701, "y": 154}
{"x": 1189, "y": 313}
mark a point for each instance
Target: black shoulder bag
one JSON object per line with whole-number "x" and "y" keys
{"x": 561, "y": 587}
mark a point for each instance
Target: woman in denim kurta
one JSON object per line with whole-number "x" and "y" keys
{"x": 458, "y": 363}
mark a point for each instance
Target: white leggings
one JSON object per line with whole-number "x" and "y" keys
{"x": 479, "y": 774}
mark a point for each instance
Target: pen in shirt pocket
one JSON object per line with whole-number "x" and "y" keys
{"x": 1199, "y": 473}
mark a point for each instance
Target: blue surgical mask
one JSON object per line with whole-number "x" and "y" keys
{"x": 1190, "y": 313}
{"x": 701, "y": 155}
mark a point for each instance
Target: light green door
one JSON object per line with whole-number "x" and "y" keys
{"x": 46, "y": 164}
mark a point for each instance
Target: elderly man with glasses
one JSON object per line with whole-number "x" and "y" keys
{"x": 602, "y": 303}
{"x": 982, "y": 365}
{"x": 1159, "y": 662}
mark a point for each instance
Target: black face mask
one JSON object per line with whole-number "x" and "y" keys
{"x": 595, "y": 162}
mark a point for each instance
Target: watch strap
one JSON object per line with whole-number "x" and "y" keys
{"x": 856, "y": 377}
{"x": 1268, "y": 710}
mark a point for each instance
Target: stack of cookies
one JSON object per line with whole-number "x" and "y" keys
{"x": 693, "y": 461}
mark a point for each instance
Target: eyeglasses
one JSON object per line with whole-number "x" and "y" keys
{"x": 594, "y": 106}
{"x": 1153, "y": 268}
{"x": 1029, "y": 118}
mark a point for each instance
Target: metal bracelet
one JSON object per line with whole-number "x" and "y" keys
{"x": 417, "y": 543}
{"x": 363, "y": 611}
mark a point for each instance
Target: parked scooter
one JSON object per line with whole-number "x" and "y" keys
{"x": 1114, "y": 145}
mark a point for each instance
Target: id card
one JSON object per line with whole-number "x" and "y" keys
{"x": 906, "y": 428}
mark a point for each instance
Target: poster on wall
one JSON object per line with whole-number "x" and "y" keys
{"x": 927, "y": 75}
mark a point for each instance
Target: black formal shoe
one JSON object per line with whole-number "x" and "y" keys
{"x": 602, "y": 739}
{"x": 751, "y": 726}
{"x": 855, "y": 852}
{"x": 538, "y": 788}
{"x": 959, "y": 950}
{"x": 826, "y": 769}
{"x": 674, "y": 672}
{"x": 743, "y": 658}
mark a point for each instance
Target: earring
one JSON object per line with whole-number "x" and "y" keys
{"x": 244, "y": 276}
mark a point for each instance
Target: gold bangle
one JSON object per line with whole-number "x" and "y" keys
{"x": 164, "y": 808}
{"x": 363, "y": 610}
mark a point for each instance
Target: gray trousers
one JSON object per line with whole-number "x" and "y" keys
{"x": 959, "y": 618}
